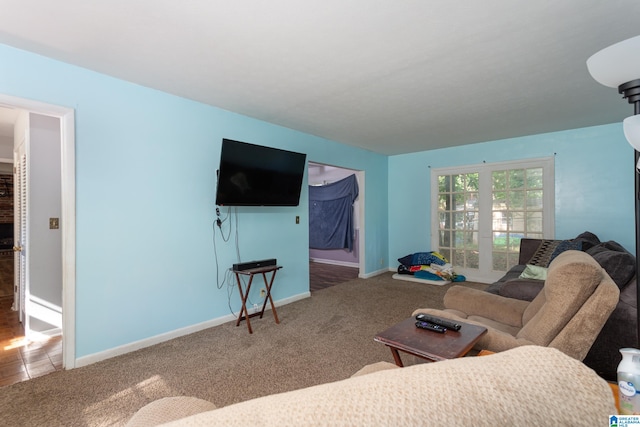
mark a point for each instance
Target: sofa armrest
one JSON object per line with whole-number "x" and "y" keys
{"x": 375, "y": 367}
{"x": 169, "y": 409}
{"x": 475, "y": 302}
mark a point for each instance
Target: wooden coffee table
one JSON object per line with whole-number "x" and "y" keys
{"x": 433, "y": 346}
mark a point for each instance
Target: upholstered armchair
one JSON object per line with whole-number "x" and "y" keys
{"x": 577, "y": 298}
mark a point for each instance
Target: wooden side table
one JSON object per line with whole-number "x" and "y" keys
{"x": 429, "y": 345}
{"x": 244, "y": 294}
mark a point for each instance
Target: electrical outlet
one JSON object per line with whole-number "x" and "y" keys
{"x": 263, "y": 293}
{"x": 54, "y": 223}
{"x": 255, "y": 307}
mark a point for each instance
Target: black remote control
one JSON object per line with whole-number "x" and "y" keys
{"x": 438, "y": 321}
{"x": 431, "y": 327}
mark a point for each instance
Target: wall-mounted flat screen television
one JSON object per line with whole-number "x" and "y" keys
{"x": 254, "y": 175}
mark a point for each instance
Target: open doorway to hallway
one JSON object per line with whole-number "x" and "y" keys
{"x": 29, "y": 352}
{"x": 30, "y": 332}
{"x": 332, "y": 266}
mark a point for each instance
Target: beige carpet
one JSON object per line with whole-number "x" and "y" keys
{"x": 324, "y": 338}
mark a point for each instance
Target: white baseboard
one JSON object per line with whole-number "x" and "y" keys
{"x": 334, "y": 262}
{"x": 373, "y": 273}
{"x": 44, "y": 335}
{"x": 157, "y": 339}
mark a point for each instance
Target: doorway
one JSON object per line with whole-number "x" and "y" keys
{"x": 328, "y": 267}
{"x": 64, "y": 117}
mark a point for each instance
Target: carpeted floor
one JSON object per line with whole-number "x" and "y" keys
{"x": 326, "y": 337}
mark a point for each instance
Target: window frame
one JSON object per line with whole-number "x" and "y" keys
{"x": 485, "y": 273}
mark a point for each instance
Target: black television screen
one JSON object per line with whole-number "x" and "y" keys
{"x": 254, "y": 175}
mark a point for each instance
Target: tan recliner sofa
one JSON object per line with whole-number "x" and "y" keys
{"x": 575, "y": 302}
{"x": 526, "y": 386}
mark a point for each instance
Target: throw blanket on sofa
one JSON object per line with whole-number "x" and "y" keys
{"x": 331, "y": 214}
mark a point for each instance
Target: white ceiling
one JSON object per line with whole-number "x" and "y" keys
{"x": 391, "y": 76}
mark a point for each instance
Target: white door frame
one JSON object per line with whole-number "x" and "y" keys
{"x": 68, "y": 217}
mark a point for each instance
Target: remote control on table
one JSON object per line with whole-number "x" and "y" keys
{"x": 438, "y": 321}
{"x": 430, "y": 326}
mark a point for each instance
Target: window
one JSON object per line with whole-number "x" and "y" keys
{"x": 458, "y": 218}
{"x": 483, "y": 211}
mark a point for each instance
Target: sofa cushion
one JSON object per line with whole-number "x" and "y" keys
{"x": 566, "y": 245}
{"x": 477, "y": 302}
{"x": 610, "y": 245}
{"x": 616, "y": 261}
{"x": 512, "y": 274}
{"x": 620, "y": 330}
{"x": 522, "y": 289}
{"x": 543, "y": 254}
{"x": 587, "y": 240}
{"x": 550, "y": 249}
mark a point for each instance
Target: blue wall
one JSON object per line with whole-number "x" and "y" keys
{"x": 593, "y": 182}
{"x": 145, "y": 177}
{"x": 145, "y": 182}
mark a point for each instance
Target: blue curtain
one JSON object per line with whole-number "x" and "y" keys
{"x": 331, "y": 214}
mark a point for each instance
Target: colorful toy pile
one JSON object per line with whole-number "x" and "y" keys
{"x": 428, "y": 266}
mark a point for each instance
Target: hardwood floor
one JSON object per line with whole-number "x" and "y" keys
{"x": 323, "y": 275}
{"x": 21, "y": 360}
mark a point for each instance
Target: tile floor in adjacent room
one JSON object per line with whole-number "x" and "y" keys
{"x": 21, "y": 360}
